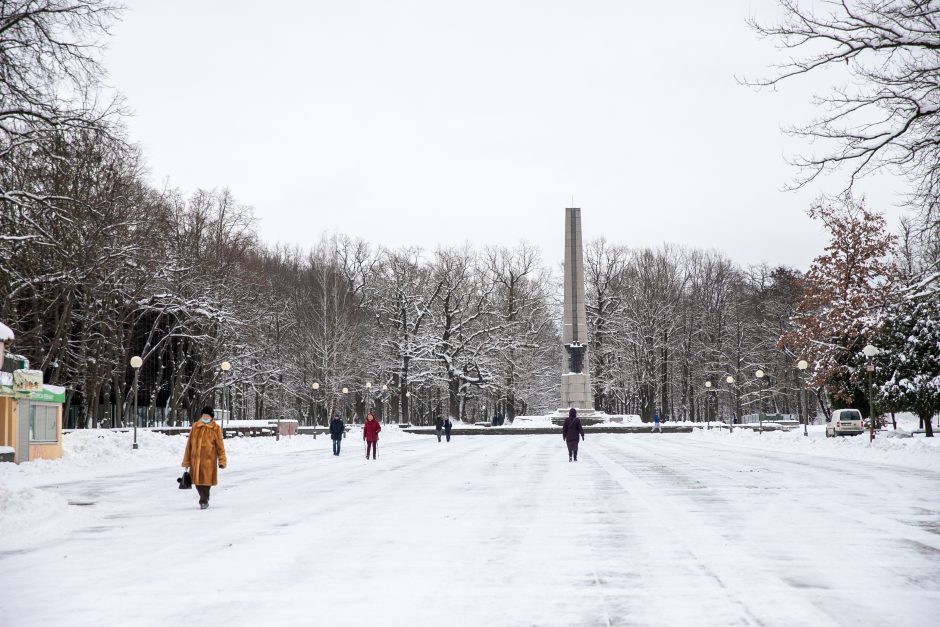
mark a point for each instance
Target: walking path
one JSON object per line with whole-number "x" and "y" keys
{"x": 497, "y": 531}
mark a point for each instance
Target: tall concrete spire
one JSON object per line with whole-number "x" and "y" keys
{"x": 575, "y": 380}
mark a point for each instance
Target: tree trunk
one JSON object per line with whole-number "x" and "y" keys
{"x": 453, "y": 398}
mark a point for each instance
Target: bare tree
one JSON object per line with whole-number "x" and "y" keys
{"x": 50, "y": 79}
{"x": 889, "y": 115}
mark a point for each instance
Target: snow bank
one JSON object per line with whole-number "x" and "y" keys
{"x": 916, "y": 452}
{"x": 28, "y": 516}
{"x": 6, "y": 333}
{"x": 389, "y": 433}
{"x": 90, "y": 453}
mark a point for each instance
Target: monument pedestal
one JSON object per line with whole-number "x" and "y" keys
{"x": 587, "y": 417}
{"x": 576, "y": 391}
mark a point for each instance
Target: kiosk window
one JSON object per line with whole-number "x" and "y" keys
{"x": 42, "y": 423}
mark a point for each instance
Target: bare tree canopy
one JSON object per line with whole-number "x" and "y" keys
{"x": 886, "y": 113}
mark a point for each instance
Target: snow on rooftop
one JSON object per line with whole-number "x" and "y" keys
{"x": 6, "y": 333}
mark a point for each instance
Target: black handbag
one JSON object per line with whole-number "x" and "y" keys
{"x": 186, "y": 481}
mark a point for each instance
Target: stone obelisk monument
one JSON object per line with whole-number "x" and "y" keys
{"x": 575, "y": 380}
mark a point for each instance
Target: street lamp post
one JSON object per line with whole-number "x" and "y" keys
{"x": 136, "y": 363}
{"x": 871, "y": 352}
{"x": 315, "y": 386}
{"x": 802, "y": 366}
{"x": 368, "y": 396}
{"x": 225, "y": 366}
{"x": 408, "y": 396}
{"x": 385, "y": 403}
{"x": 760, "y": 400}
{"x": 730, "y": 381}
{"x": 708, "y": 393}
{"x": 346, "y": 403}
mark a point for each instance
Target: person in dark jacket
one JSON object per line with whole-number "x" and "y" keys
{"x": 337, "y": 429}
{"x": 570, "y": 432}
{"x": 438, "y": 427}
{"x": 448, "y": 425}
{"x": 370, "y": 433}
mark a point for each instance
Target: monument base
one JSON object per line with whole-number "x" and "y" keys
{"x": 587, "y": 416}
{"x": 576, "y": 391}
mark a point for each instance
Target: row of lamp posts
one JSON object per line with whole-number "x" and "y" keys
{"x": 226, "y": 367}
{"x": 760, "y": 374}
{"x": 869, "y": 351}
{"x": 315, "y": 386}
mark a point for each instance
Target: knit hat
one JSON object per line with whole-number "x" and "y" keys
{"x": 572, "y": 413}
{"x": 208, "y": 411}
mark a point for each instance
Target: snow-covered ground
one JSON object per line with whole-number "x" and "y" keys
{"x": 707, "y": 528}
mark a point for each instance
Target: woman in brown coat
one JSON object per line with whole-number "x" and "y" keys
{"x": 205, "y": 452}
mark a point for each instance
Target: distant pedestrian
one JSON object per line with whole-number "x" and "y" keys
{"x": 657, "y": 426}
{"x": 370, "y": 433}
{"x": 448, "y": 425}
{"x": 495, "y": 420}
{"x": 570, "y": 432}
{"x": 337, "y": 429}
{"x": 438, "y": 427}
{"x": 205, "y": 453}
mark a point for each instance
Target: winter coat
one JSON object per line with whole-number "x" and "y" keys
{"x": 439, "y": 424}
{"x": 370, "y": 431}
{"x": 656, "y": 418}
{"x": 336, "y": 429}
{"x": 448, "y": 425}
{"x": 205, "y": 453}
{"x": 571, "y": 429}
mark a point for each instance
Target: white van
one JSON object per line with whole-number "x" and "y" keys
{"x": 844, "y": 422}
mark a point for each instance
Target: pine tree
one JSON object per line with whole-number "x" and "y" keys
{"x": 910, "y": 361}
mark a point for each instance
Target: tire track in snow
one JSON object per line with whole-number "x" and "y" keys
{"x": 747, "y": 583}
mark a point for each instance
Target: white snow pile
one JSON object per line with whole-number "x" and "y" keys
{"x": 28, "y": 516}
{"x": 917, "y": 452}
{"x": 98, "y": 452}
{"x": 112, "y": 451}
{"x": 6, "y": 333}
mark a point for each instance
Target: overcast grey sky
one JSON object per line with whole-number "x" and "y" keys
{"x": 432, "y": 122}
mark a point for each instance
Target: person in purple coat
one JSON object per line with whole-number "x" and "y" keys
{"x": 570, "y": 432}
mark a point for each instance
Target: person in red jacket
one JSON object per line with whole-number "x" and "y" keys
{"x": 370, "y": 433}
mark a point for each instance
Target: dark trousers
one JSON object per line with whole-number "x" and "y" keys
{"x": 373, "y": 446}
{"x": 438, "y": 435}
{"x": 572, "y": 449}
{"x": 448, "y": 437}
{"x": 203, "y": 491}
{"x": 336, "y": 444}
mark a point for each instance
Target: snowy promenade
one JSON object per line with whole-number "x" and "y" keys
{"x": 643, "y": 530}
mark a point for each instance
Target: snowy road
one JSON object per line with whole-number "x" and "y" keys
{"x": 644, "y": 530}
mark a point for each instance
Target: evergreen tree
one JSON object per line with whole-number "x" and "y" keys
{"x": 910, "y": 362}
